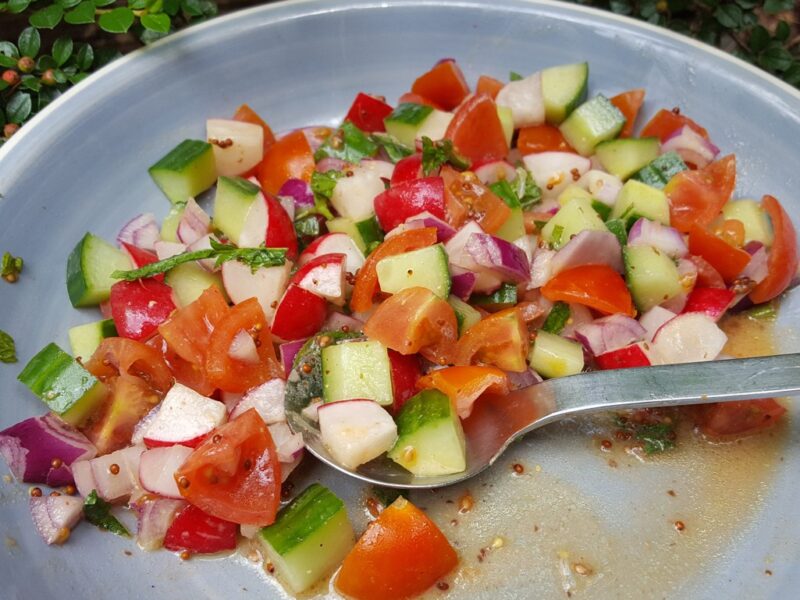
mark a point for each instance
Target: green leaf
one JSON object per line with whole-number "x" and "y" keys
{"x": 31, "y": 82}
{"x": 29, "y": 42}
{"x": 782, "y": 31}
{"x": 101, "y": 3}
{"x": 103, "y": 56}
{"x": 392, "y": 146}
{"x": 118, "y": 20}
{"x": 17, "y": 6}
{"x": 77, "y": 78}
{"x": 759, "y": 38}
{"x": 792, "y": 74}
{"x": 436, "y": 154}
{"x": 514, "y": 76}
{"x": 7, "y": 61}
{"x": 729, "y": 16}
{"x": 45, "y": 62}
{"x": 171, "y": 7}
{"x": 776, "y": 58}
{"x": 747, "y": 4}
{"x": 774, "y": 7}
{"x": 65, "y": 4}
{"x": 8, "y": 351}
{"x": 10, "y": 267}
{"x": 84, "y": 57}
{"x": 19, "y": 108}
{"x": 349, "y": 144}
{"x": 620, "y": 7}
{"x": 59, "y": 76}
{"x": 62, "y": 50}
{"x": 323, "y": 183}
{"x": 527, "y": 190}
{"x": 9, "y": 49}
{"x": 46, "y": 96}
{"x": 82, "y": 14}
{"x": 98, "y": 512}
{"x": 47, "y": 18}
{"x": 159, "y": 23}
{"x": 137, "y": 4}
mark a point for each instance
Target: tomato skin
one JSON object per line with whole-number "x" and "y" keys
{"x": 368, "y": 112}
{"x": 501, "y": 339}
{"x": 464, "y": 385}
{"x": 782, "y": 260}
{"x": 628, "y": 357}
{"x": 401, "y": 554}
{"x": 465, "y": 195}
{"x": 476, "y": 131}
{"x": 597, "y": 286}
{"x": 444, "y": 84}
{"x": 300, "y": 314}
{"x": 200, "y": 533}
{"x": 234, "y": 474}
{"x": 117, "y": 356}
{"x": 189, "y": 374}
{"x": 141, "y": 257}
{"x": 728, "y": 260}
{"x": 710, "y": 301}
{"x": 409, "y": 198}
{"x": 665, "y": 123}
{"x": 405, "y": 373}
{"x": 189, "y": 329}
{"x": 412, "y": 98}
{"x": 139, "y": 307}
{"x": 280, "y": 228}
{"x": 541, "y": 138}
{"x": 488, "y": 86}
{"x": 738, "y": 418}
{"x": 707, "y": 276}
{"x": 289, "y": 157}
{"x": 366, "y": 285}
{"x": 407, "y": 169}
{"x": 697, "y": 197}
{"x": 629, "y": 104}
{"x": 245, "y": 114}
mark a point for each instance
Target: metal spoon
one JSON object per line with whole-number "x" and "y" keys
{"x": 496, "y": 421}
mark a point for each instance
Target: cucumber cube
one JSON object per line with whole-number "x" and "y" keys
{"x": 572, "y": 218}
{"x": 405, "y": 120}
{"x": 84, "y": 339}
{"x": 504, "y": 297}
{"x": 555, "y": 356}
{"x": 466, "y": 316}
{"x": 637, "y": 199}
{"x": 625, "y": 157}
{"x": 563, "y": 88}
{"x": 89, "y": 269}
{"x": 185, "y": 171}
{"x": 430, "y": 437}
{"x": 757, "y": 226}
{"x": 663, "y": 168}
{"x": 357, "y": 370}
{"x": 571, "y": 192}
{"x": 652, "y": 276}
{"x": 426, "y": 267}
{"x": 63, "y": 384}
{"x": 189, "y": 280}
{"x": 169, "y": 226}
{"x": 232, "y": 203}
{"x": 506, "y": 116}
{"x": 592, "y": 122}
{"x": 363, "y": 233}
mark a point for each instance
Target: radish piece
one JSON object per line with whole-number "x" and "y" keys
{"x": 525, "y": 99}
{"x": 267, "y": 399}
{"x": 589, "y": 248}
{"x": 690, "y": 337}
{"x": 300, "y": 314}
{"x": 335, "y": 243}
{"x": 353, "y": 195}
{"x": 324, "y": 276}
{"x": 230, "y": 400}
{"x": 356, "y": 431}
{"x": 712, "y": 302}
{"x": 111, "y": 485}
{"x": 629, "y": 357}
{"x": 330, "y": 164}
{"x": 83, "y": 476}
{"x": 653, "y": 319}
{"x": 287, "y": 444}
{"x": 459, "y": 256}
{"x": 601, "y": 185}
{"x": 288, "y": 467}
{"x": 494, "y": 171}
{"x": 266, "y": 285}
{"x": 311, "y": 412}
{"x": 337, "y": 321}
{"x": 142, "y": 231}
{"x": 55, "y": 516}
{"x": 185, "y": 418}
{"x": 609, "y": 333}
{"x": 238, "y": 146}
{"x": 157, "y": 468}
{"x": 154, "y": 518}
{"x": 661, "y": 237}
{"x": 382, "y": 168}
{"x": 166, "y": 250}
{"x": 137, "y": 437}
{"x": 553, "y": 171}
{"x": 194, "y": 223}
{"x": 244, "y": 349}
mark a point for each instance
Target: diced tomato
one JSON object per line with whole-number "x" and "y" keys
{"x": 476, "y": 130}
{"x": 444, "y": 84}
{"x": 189, "y": 329}
{"x": 235, "y": 474}
{"x": 412, "y": 98}
{"x": 139, "y": 307}
{"x": 401, "y": 554}
{"x": 289, "y": 157}
{"x": 300, "y": 314}
{"x": 738, "y": 418}
{"x": 415, "y": 320}
{"x": 189, "y": 374}
{"x": 464, "y": 385}
{"x": 629, "y": 104}
{"x": 732, "y": 231}
{"x": 782, "y": 259}
{"x": 200, "y": 533}
{"x": 409, "y": 198}
{"x": 366, "y": 285}
{"x": 118, "y": 356}
{"x": 407, "y": 168}
{"x": 247, "y": 115}
{"x": 405, "y": 373}
{"x": 141, "y": 257}
{"x": 628, "y": 357}
{"x": 666, "y": 122}
{"x": 710, "y": 301}
{"x": 489, "y": 86}
{"x": 541, "y": 138}
{"x": 707, "y": 276}
{"x": 368, "y": 112}
{"x": 597, "y": 286}
{"x": 234, "y": 375}
{"x": 697, "y": 197}
{"x": 500, "y": 339}
{"x": 728, "y": 260}
{"x": 280, "y": 228}
{"x": 466, "y": 196}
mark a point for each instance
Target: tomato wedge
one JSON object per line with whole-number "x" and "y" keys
{"x": 189, "y": 329}
{"x": 407, "y": 169}
{"x": 401, "y": 554}
{"x": 464, "y": 385}
{"x": 415, "y": 320}
{"x": 366, "y": 285}
{"x": 488, "y": 86}
{"x": 289, "y": 157}
{"x": 368, "y": 112}
{"x": 465, "y": 196}
{"x": 197, "y": 532}
{"x": 239, "y": 375}
{"x": 190, "y": 374}
{"x": 118, "y": 356}
{"x": 666, "y": 122}
{"x": 597, "y": 286}
{"x": 782, "y": 260}
{"x": 409, "y": 198}
{"x": 405, "y": 373}
{"x": 697, "y": 197}
{"x": 738, "y": 418}
{"x": 235, "y": 474}
{"x": 728, "y": 260}
{"x": 476, "y": 131}
{"x": 444, "y": 84}
{"x": 246, "y": 114}
{"x": 629, "y": 104}
{"x": 541, "y": 138}
{"x": 500, "y": 339}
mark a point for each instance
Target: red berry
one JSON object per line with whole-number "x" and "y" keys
{"x": 10, "y": 129}
{"x": 11, "y": 77}
{"x": 26, "y": 64}
{"x": 48, "y": 77}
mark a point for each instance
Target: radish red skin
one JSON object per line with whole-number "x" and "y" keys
{"x": 300, "y": 314}
{"x": 710, "y": 301}
{"x": 139, "y": 307}
{"x": 624, "y": 358}
{"x": 407, "y": 169}
{"x": 280, "y": 229}
{"x": 410, "y": 198}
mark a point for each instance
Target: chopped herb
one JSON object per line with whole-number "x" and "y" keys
{"x": 395, "y": 150}
{"x": 322, "y": 184}
{"x": 655, "y": 437}
{"x": 348, "y": 143}
{"x": 558, "y": 231}
{"x": 557, "y": 319}
{"x": 436, "y": 154}
{"x": 617, "y": 227}
{"x": 764, "y": 312}
{"x": 387, "y": 495}
{"x": 307, "y": 228}
{"x": 8, "y": 350}
{"x": 539, "y": 224}
{"x": 506, "y": 193}
{"x": 514, "y": 76}
{"x": 98, "y": 512}
{"x": 11, "y": 267}
{"x": 601, "y": 208}
{"x": 371, "y": 247}
{"x": 527, "y": 190}
{"x": 255, "y": 258}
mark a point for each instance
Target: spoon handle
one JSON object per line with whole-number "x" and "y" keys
{"x": 675, "y": 385}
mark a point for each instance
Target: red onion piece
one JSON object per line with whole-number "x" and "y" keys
{"x": 651, "y": 233}
{"x": 757, "y": 269}
{"x": 541, "y": 267}
{"x": 691, "y": 146}
{"x": 499, "y": 256}
{"x": 55, "y": 516}
{"x": 463, "y": 284}
{"x": 444, "y": 231}
{"x": 299, "y": 191}
{"x": 154, "y": 518}
{"x": 194, "y": 223}
{"x": 609, "y": 333}
{"x": 517, "y": 381}
{"x": 331, "y": 164}
{"x": 288, "y": 351}
{"x": 267, "y": 399}
{"x": 142, "y": 231}
{"x": 589, "y": 248}
{"x": 30, "y": 447}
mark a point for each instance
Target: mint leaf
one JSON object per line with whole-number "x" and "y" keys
{"x": 98, "y": 512}
{"x": 349, "y": 144}
{"x": 557, "y": 319}
{"x": 324, "y": 183}
{"x": 392, "y": 146}
{"x": 8, "y": 351}
{"x": 514, "y": 76}
{"x": 10, "y": 267}
{"x": 436, "y": 154}
{"x": 527, "y": 190}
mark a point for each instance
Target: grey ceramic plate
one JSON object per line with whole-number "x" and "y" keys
{"x": 82, "y": 165}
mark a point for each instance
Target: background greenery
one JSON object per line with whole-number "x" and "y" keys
{"x": 47, "y": 46}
